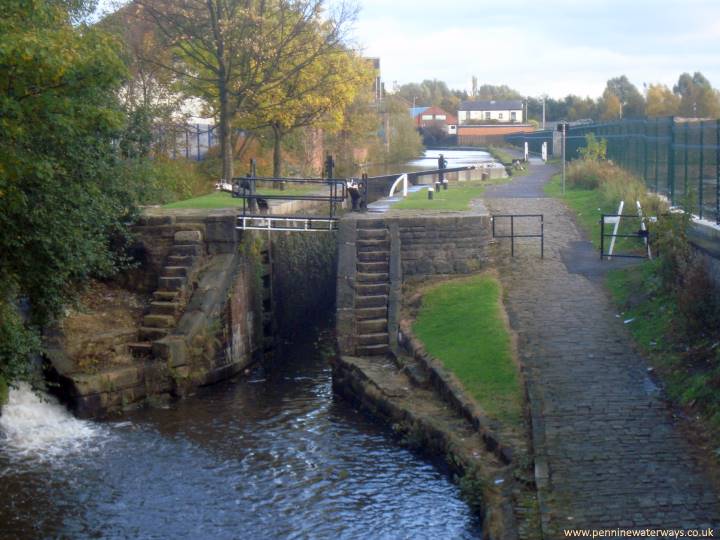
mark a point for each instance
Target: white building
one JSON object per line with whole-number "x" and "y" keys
{"x": 500, "y": 112}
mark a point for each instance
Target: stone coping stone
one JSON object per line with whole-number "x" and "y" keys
{"x": 478, "y": 211}
{"x": 706, "y": 237}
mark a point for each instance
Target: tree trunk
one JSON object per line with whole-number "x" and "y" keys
{"x": 277, "y": 156}
{"x": 226, "y": 149}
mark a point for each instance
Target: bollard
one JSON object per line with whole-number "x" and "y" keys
{"x": 437, "y": 186}
{"x": 445, "y": 185}
{"x": 430, "y": 194}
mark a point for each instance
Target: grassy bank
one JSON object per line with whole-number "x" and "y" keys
{"x": 456, "y": 197}
{"x": 504, "y": 157}
{"x": 461, "y": 323}
{"x": 588, "y": 205}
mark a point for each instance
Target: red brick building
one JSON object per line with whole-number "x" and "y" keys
{"x": 425, "y": 117}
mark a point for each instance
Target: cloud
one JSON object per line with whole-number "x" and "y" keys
{"x": 555, "y": 47}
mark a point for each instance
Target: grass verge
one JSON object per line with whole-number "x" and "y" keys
{"x": 456, "y": 197}
{"x": 461, "y": 323}
{"x": 588, "y": 205}
{"x": 507, "y": 160}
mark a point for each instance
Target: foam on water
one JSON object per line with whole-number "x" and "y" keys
{"x": 40, "y": 427}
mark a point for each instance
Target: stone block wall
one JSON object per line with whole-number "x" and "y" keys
{"x": 154, "y": 234}
{"x": 421, "y": 245}
{"x": 442, "y": 244}
{"x": 705, "y": 239}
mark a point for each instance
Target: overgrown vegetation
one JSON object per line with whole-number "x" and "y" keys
{"x": 461, "y": 324}
{"x": 676, "y": 328}
{"x": 595, "y": 186}
{"x": 63, "y": 205}
{"x": 672, "y": 306}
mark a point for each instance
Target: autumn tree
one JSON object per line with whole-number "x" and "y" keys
{"x": 661, "y": 101}
{"x": 697, "y": 96}
{"x": 632, "y": 103}
{"x": 357, "y": 133}
{"x": 432, "y": 92}
{"x": 497, "y": 92}
{"x": 316, "y": 95}
{"x": 610, "y": 106}
{"x": 230, "y": 52}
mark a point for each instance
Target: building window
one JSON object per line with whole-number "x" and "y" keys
{"x": 427, "y": 116}
{"x": 500, "y": 116}
{"x": 487, "y": 115}
{"x": 513, "y": 116}
{"x": 439, "y": 117}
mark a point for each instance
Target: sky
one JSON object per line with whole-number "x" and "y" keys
{"x": 541, "y": 47}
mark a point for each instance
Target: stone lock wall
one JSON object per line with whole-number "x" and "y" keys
{"x": 442, "y": 244}
{"x": 415, "y": 246}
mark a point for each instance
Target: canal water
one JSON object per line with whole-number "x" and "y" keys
{"x": 480, "y": 159}
{"x": 274, "y": 456}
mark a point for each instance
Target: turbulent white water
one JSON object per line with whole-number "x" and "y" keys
{"x": 40, "y": 427}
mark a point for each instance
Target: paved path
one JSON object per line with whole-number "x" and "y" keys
{"x": 609, "y": 453}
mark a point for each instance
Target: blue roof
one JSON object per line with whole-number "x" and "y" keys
{"x": 414, "y": 111}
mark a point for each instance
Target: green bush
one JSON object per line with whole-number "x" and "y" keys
{"x": 594, "y": 149}
{"x": 161, "y": 181}
{"x": 18, "y": 344}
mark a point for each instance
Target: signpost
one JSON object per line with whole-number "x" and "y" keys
{"x": 562, "y": 127}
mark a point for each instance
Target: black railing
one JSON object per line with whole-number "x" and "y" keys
{"x": 513, "y": 235}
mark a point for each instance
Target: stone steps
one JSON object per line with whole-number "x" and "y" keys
{"x": 165, "y": 308}
{"x": 368, "y": 327}
{"x": 148, "y": 333}
{"x": 378, "y": 338}
{"x": 181, "y": 260}
{"x": 372, "y": 234}
{"x": 140, "y": 349}
{"x": 379, "y": 300}
{"x": 372, "y": 288}
{"x": 185, "y": 250}
{"x": 169, "y": 300}
{"x": 158, "y": 321}
{"x": 373, "y": 350}
{"x": 375, "y": 277}
{"x": 175, "y": 271}
{"x": 171, "y": 283}
{"x": 373, "y": 256}
{"x": 371, "y": 224}
{"x": 166, "y": 296}
{"x": 373, "y": 267}
{"x": 372, "y": 245}
{"x": 362, "y": 314}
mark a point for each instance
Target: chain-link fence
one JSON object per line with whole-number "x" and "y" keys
{"x": 677, "y": 157}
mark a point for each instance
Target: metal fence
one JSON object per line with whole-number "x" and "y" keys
{"x": 677, "y": 157}
{"x": 189, "y": 141}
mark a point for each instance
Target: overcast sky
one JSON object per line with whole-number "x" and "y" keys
{"x": 553, "y": 47}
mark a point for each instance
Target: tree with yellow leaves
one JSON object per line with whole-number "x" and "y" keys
{"x": 317, "y": 95}
{"x": 235, "y": 53}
